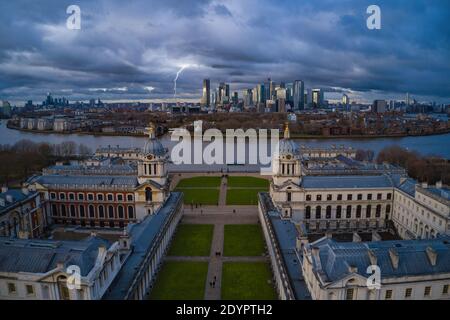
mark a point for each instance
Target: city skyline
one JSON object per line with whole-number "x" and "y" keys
{"x": 135, "y": 52}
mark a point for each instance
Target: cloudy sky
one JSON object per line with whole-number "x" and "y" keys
{"x": 133, "y": 49}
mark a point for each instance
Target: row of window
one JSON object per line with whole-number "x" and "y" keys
{"x": 91, "y": 196}
{"x": 348, "y": 211}
{"x": 407, "y": 294}
{"x": 92, "y": 223}
{"x": 29, "y": 289}
{"x": 93, "y": 212}
{"x": 339, "y": 197}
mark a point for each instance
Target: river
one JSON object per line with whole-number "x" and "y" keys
{"x": 426, "y": 145}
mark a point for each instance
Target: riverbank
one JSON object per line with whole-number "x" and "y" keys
{"x": 293, "y": 136}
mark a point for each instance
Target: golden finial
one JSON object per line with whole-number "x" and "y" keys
{"x": 287, "y": 133}
{"x": 151, "y": 130}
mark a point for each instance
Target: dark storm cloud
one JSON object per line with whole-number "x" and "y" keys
{"x": 134, "y": 49}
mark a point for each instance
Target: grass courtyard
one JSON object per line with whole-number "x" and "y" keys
{"x": 181, "y": 281}
{"x": 247, "y": 281}
{"x": 192, "y": 240}
{"x": 200, "y": 190}
{"x": 243, "y": 240}
{"x": 244, "y": 190}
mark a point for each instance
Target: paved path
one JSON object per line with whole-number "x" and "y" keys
{"x": 213, "y": 215}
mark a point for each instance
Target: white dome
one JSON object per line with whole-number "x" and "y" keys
{"x": 287, "y": 146}
{"x": 153, "y": 147}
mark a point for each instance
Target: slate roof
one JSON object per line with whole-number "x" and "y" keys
{"x": 143, "y": 236}
{"x": 81, "y": 180}
{"x": 17, "y": 196}
{"x": 42, "y": 256}
{"x": 408, "y": 187}
{"x": 350, "y": 181}
{"x": 336, "y": 257}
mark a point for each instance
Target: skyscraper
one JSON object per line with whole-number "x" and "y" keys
{"x": 317, "y": 98}
{"x": 298, "y": 95}
{"x": 206, "y": 98}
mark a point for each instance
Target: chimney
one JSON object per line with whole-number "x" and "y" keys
{"x": 439, "y": 184}
{"x": 432, "y": 255}
{"x": 372, "y": 257}
{"x": 424, "y": 185}
{"x": 393, "y": 254}
{"x": 4, "y": 189}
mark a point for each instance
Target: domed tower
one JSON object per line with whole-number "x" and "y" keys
{"x": 286, "y": 160}
{"x": 153, "y": 160}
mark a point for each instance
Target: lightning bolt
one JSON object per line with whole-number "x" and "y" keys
{"x": 176, "y": 78}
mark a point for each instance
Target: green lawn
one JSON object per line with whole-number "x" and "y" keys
{"x": 243, "y": 240}
{"x": 248, "y": 182}
{"x": 243, "y": 196}
{"x": 200, "y": 182}
{"x": 247, "y": 281}
{"x": 200, "y": 196}
{"x": 192, "y": 240}
{"x": 181, "y": 281}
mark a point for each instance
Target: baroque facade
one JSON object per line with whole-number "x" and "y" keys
{"x": 315, "y": 196}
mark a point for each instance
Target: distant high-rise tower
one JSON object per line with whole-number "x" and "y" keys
{"x": 206, "y": 98}
{"x": 298, "y": 95}
{"x": 345, "y": 99}
{"x": 407, "y": 99}
{"x": 317, "y": 97}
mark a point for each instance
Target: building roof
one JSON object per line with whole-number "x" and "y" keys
{"x": 350, "y": 181}
{"x": 143, "y": 237}
{"x": 408, "y": 186}
{"x": 42, "y": 256}
{"x": 337, "y": 257}
{"x": 80, "y": 180}
{"x": 16, "y": 196}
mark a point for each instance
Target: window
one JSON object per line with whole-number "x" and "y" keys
{"x": 81, "y": 196}
{"x": 379, "y": 196}
{"x": 101, "y": 212}
{"x": 349, "y": 294}
{"x": 339, "y": 197}
{"x": 369, "y": 211}
{"x": 110, "y": 197}
{"x": 308, "y": 212}
{"x": 349, "y": 197}
{"x": 100, "y": 197}
{"x": 388, "y": 295}
{"x": 358, "y": 211}
{"x": 329, "y": 197}
{"x": 91, "y": 211}
{"x": 121, "y": 212}
{"x": 71, "y": 196}
{"x": 378, "y": 211}
{"x": 120, "y": 197}
{"x": 338, "y": 212}
{"x": 72, "y": 211}
{"x": 63, "y": 210}
{"x": 54, "y": 210}
{"x": 30, "y": 289}
{"x": 408, "y": 293}
{"x": 52, "y": 195}
{"x": 90, "y": 196}
{"x": 130, "y": 212}
{"x": 427, "y": 291}
{"x": 349, "y": 212}
{"x": 308, "y": 197}
{"x": 318, "y": 212}
{"x": 319, "y": 197}
{"x": 62, "y": 196}
{"x": 328, "y": 212}
{"x": 389, "y": 196}
{"x": 130, "y": 197}
{"x": 111, "y": 212}
{"x": 81, "y": 211}
{"x": 148, "y": 195}
{"x": 369, "y": 196}
{"x": 445, "y": 289}
{"x": 359, "y": 196}
{"x": 388, "y": 208}
{"x": 12, "y": 288}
